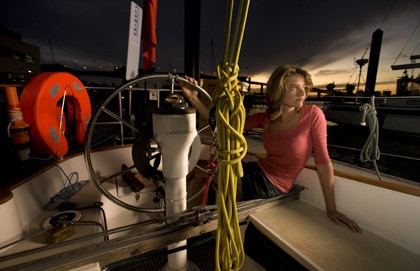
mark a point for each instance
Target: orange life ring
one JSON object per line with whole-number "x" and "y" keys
{"x": 42, "y": 101}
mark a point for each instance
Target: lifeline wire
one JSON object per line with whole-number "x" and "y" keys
{"x": 230, "y": 116}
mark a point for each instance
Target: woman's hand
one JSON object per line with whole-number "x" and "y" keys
{"x": 338, "y": 217}
{"x": 189, "y": 92}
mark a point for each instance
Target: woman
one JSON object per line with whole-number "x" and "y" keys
{"x": 291, "y": 132}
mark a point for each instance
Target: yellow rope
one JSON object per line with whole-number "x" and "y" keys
{"x": 230, "y": 119}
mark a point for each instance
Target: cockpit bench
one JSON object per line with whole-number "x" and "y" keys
{"x": 316, "y": 243}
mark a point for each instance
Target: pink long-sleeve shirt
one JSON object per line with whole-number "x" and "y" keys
{"x": 288, "y": 152}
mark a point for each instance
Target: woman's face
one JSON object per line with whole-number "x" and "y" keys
{"x": 295, "y": 94}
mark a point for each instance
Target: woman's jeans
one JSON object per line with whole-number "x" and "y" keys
{"x": 255, "y": 185}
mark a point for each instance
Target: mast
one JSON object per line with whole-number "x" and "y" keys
{"x": 375, "y": 51}
{"x": 361, "y": 62}
{"x": 192, "y": 37}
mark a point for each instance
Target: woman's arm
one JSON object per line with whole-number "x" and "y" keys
{"x": 326, "y": 178}
{"x": 192, "y": 96}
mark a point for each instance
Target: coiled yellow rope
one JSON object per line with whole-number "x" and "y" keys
{"x": 230, "y": 119}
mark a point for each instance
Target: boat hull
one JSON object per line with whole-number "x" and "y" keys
{"x": 394, "y": 114}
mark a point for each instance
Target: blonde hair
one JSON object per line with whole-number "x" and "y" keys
{"x": 276, "y": 87}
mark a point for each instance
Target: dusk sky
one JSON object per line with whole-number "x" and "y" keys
{"x": 325, "y": 37}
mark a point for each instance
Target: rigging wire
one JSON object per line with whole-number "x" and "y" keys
{"x": 415, "y": 48}
{"x": 387, "y": 14}
{"x": 409, "y": 38}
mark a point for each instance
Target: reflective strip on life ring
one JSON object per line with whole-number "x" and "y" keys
{"x": 39, "y": 101}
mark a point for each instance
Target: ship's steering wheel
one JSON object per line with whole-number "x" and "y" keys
{"x": 116, "y": 121}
